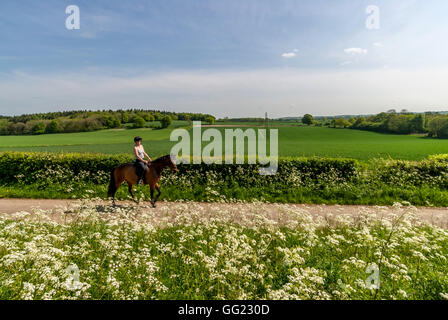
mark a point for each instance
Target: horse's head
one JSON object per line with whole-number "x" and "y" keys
{"x": 172, "y": 163}
{"x": 165, "y": 161}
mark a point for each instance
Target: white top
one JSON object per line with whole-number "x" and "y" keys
{"x": 140, "y": 152}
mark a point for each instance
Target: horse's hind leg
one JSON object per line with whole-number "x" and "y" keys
{"x": 117, "y": 185}
{"x": 114, "y": 184}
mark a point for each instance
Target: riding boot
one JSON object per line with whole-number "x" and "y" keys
{"x": 141, "y": 179}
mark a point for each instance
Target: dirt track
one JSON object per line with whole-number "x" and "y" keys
{"x": 437, "y": 216}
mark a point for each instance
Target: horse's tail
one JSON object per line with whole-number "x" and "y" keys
{"x": 112, "y": 185}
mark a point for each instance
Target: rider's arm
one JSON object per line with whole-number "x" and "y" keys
{"x": 146, "y": 154}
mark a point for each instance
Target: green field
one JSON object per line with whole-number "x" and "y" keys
{"x": 293, "y": 142}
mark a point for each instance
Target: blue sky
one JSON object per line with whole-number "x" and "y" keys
{"x": 226, "y": 57}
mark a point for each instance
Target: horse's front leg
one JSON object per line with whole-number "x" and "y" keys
{"x": 158, "y": 193}
{"x": 151, "y": 191}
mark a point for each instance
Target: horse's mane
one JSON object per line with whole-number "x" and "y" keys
{"x": 161, "y": 159}
{"x": 157, "y": 161}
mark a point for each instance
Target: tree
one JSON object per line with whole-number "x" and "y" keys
{"x": 341, "y": 122}
{"x": 359, "y": 121}
{"x": 307, "y": 119}
{"x": 418, "y": 123}
{"x": 113, "y": 122}
{"x": 435, "y": 126}
{"x": 53, "y": 126}
{"x": 165, "y": 121}
{"x": 139, "y": 122}
{"x": 398, "y": 124}
{"x": 16, "y": 128}
{"x": 443, "y": 133}
{"x": 210, "y": 120}
{"x": 39, "y": 128}
{"x": 381, "y": 117}
{"x": 124, "y": 117}
{"x": 157, "y": 116}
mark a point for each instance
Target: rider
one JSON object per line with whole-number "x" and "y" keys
{"x": 140, "y": 161}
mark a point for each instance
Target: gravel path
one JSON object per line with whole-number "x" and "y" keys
{"x": 437, "y": 216}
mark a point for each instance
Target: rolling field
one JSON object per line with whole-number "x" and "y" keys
{"x": 293, "y": 142}
{"x": 362, "y": 145}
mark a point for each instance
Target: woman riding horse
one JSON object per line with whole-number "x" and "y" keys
{"x": 126, "y": 172}
{"x": 140, "y": 162}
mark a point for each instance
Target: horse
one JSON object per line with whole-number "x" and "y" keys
{"x": 126, "y": 172}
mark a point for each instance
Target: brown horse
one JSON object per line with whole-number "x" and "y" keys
{"x": 126, "y": 172}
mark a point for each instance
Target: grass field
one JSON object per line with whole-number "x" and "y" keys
{"x": 293, "y": 142}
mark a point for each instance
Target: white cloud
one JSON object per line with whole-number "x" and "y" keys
{"x": 344, "y": 63}
{"x": 355, "y": 51}
{"x": 289, "y": 55}
{"x": 378, "y": 44}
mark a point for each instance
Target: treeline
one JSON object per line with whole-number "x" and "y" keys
{"x": 227, "y": 119}
{"x": 391, "y": 123}
{"x": 85, "y": 120}
{"x": 431, "y": 123}
{"x": 434, "y": 124}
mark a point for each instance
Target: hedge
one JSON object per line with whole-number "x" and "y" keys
{"x": 31, "y": 163}
{"x": 432, "y": 172}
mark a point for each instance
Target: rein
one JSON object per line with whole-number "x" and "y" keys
{"x": 158, "y": 165}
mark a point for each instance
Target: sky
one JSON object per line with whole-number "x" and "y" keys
{"x": 235, "y": 58}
